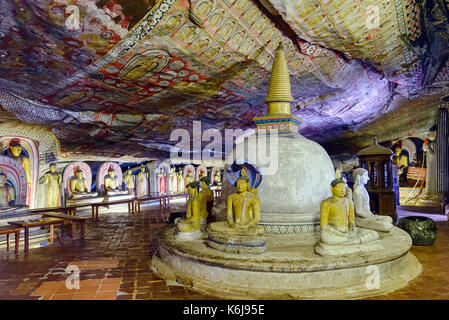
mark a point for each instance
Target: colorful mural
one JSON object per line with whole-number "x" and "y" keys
{"x": 114, "y": 78}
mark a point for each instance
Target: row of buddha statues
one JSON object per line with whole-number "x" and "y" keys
{"x": 345, "y": 217}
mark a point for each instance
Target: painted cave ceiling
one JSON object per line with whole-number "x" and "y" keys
{"x": 116, "y": 77}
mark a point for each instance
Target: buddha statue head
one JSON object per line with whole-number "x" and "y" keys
{"x": 192, "y": 188}
{"x": 360, "y": 176}
{"x": 204, "y": 182}
{"x": 79, "y": 174}
{"x": 397, "y": 151}
{"x": 242, "y": 184}
{"x": 111, "y": 173}
{"x": 338, "y": 187}
{"x": 52, "y": 167}
{"x": 16, "y": 148}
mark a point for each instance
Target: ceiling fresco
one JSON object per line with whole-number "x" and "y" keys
{"x": 115, "y": 78}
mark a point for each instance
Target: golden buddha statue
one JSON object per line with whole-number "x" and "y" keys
{"x": 337, "y": 220}
{"x": 363, "y": 216}
{"x": 53, "y": 181}
{"x": 111, "y": 183}
{"x": 206, "y": 197}
{"x": 181, "y": 186}
{"x": 192, "y": 221}
{"x": 78, "y": 185}
{"x": 142, "y": 176}
{"x": 339, "y": 175}
{"x": 189, "y": 178}
{"x": 129, "y": 180}
{"x": 16, "y": 151}
{"x": 7, "y": 195}
{"x": 217, "y": 178}
{"x": 243, "y": 212}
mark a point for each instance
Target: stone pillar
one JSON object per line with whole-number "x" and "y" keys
{"x": 442, "y": 150}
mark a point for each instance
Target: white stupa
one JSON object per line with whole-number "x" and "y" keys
{"x": 296, "y": 176}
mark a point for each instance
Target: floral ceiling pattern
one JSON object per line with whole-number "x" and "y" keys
{"x": 116, "y": 77}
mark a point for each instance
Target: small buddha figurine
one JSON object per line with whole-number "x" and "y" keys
{"x": 7, "y": 195}
{"x": 142, "y": 176}
{"x": 400, "y": 160}
{"x": 111, "y": 182}
{"x": 189, "y": 178}
{"x": 217, "y": 178}
{"x": 337, "y": 220}
{"x": 78, "y": 185}
{"x": 129, "y": 180}
{"x": 206, "y": 197}
{"x": 16, "y": 154}
{"x": 53, "y": 181}
{"x": 192, "y": 221}
{"x": 181, "y": 186}
{"x": 363, "y": 216}
{"x": 162, "y": 182}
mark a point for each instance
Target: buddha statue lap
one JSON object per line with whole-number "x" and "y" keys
{"x": 189, "y": 228}
{"x": 364, "y": 218}
{"x": 339, "y": 234}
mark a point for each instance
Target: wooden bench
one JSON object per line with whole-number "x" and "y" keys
{"x": 36, "y": 223}
{"x": 7, "y": 230}
{"x": 138, "y": 201}
{"x": 95, "y": 206}
{"x": 73, "y": 219}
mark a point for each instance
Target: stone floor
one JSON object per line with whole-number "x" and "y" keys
{"x": 113, "y": 264}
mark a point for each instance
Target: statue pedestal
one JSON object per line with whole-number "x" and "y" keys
{"x": 224, "y": 238}
{"x": 289, "y": 269}
{"x": 190, "y": 235}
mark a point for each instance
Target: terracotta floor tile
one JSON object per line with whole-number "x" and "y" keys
{"x": 105, "y": 296}
{"x": 62, "y": 297}
{"x": 84, "y": 296}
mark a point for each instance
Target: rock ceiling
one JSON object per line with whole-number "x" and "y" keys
{"x": 116, "y": 77}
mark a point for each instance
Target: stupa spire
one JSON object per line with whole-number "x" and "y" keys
{"x": 279, "y": 96}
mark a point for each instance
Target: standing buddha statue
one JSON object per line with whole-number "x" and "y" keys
{"x": 53, "y": 181}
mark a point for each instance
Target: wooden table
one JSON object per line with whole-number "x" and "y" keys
{"x": 32, "y": 224}
{"x": 95, "y": 206}
{"x": 138, "y": 201}
{"x": 74, "y": 220}
{"x": 71, "y": 210}
{"x": 7, "y": 230}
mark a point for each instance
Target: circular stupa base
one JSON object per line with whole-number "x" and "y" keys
{"x": 289, "y": 269}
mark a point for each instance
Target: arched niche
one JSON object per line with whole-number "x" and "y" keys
{"x": 69, "y": 173}
{"x": 30, "y": 150}
{"x": 103, "y": 171}
{"x": 15, "y": 177}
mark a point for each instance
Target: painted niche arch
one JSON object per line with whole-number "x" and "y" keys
{"x": 201, "y": 169}
{"x": 103, "y": 171}
{"x": 69, "y": 173}
{"x": 31, "y": 151}
{"x": 16, "y": 177}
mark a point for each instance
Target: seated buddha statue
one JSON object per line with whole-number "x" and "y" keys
{"x": 78, "y": 186}
{"x": 401, "y": 161}
{"x": 217, "y": 179}
{"x": 243, "y": 212}
{"x": 16, "y": 154}
{"x": 7, "y": 195}
{"x": 337, "y": 219}
{"x": 192, "y": 221}
{"x": 206, "y": 197}
{"x": 189, "y": 178}
{"x": 363, "y": 216}
{"x": 111, "y": 186}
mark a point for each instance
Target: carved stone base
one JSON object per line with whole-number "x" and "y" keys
{"x": 289, "y": 269}
{"x": 189, "y": 235}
